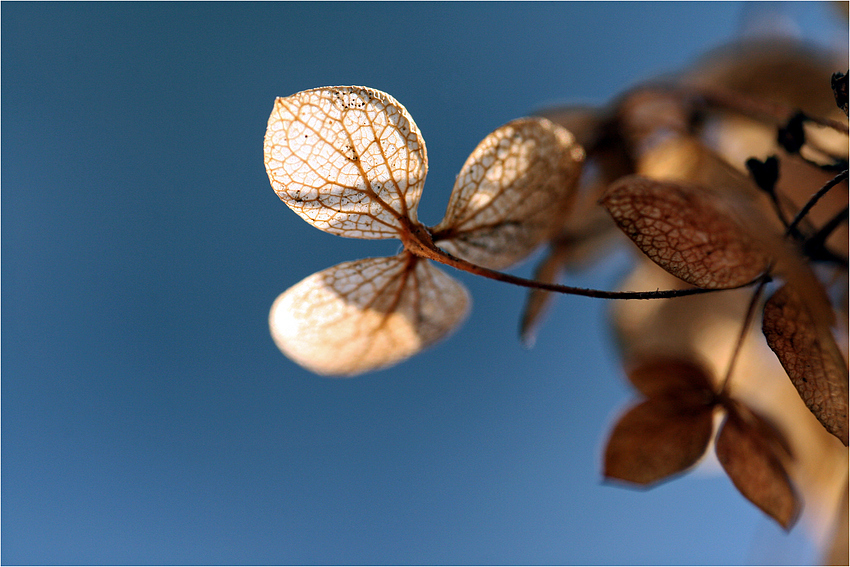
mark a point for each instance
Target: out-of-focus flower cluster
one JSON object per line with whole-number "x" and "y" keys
{"x": 705, "y": 171}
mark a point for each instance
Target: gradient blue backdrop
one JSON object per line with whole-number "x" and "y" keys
{"x": 147, "y": 417}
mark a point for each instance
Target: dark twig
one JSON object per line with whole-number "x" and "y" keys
{"x": 814, "y": 199}
{"x": 815, "y": 246}
{"x": 839, "y": 90}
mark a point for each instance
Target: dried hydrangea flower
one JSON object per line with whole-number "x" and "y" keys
{"x": 351, "y": 161}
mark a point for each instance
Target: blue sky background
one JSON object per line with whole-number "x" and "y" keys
{"x": 147, "y": 417}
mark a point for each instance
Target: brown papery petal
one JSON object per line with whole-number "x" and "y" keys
{"x": 749, "y": 456}
{"x": 666, "y": 375}
{"x": 656, "y": 439}
{"x": 810, "y": 356}
{"x": 511, "y": 193}
{"x": 686, "y": 230}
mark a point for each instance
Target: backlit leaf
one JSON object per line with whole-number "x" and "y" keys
{"x": 657, "y": 438}
{"x": 348, "y": 160}
{"x": 368, "y": 314}
{"x": 511, "y": 193}
{"x": 687, "y": 231}
{"x": 810, "y": 356}
{"x": 749, "y": 450}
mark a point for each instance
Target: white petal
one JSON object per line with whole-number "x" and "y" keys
{"x": 349, "y": 160}
{"x": 511, "y": 193}
{"x": 364, "y": 315}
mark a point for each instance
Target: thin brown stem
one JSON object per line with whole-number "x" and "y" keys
{"x": 745, "y": 328}
{"x": 444, "y": 257}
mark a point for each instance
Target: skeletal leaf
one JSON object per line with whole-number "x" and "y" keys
{"x": 348, "y": 160}
{"x": 750, "y": 449}
{"x": 807, "y": 350}
{"x": 684, "y": 230}
{"x": 367, "y": 314}
{"x": 511, "y": 193}
{"x": 657, "y": 438}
